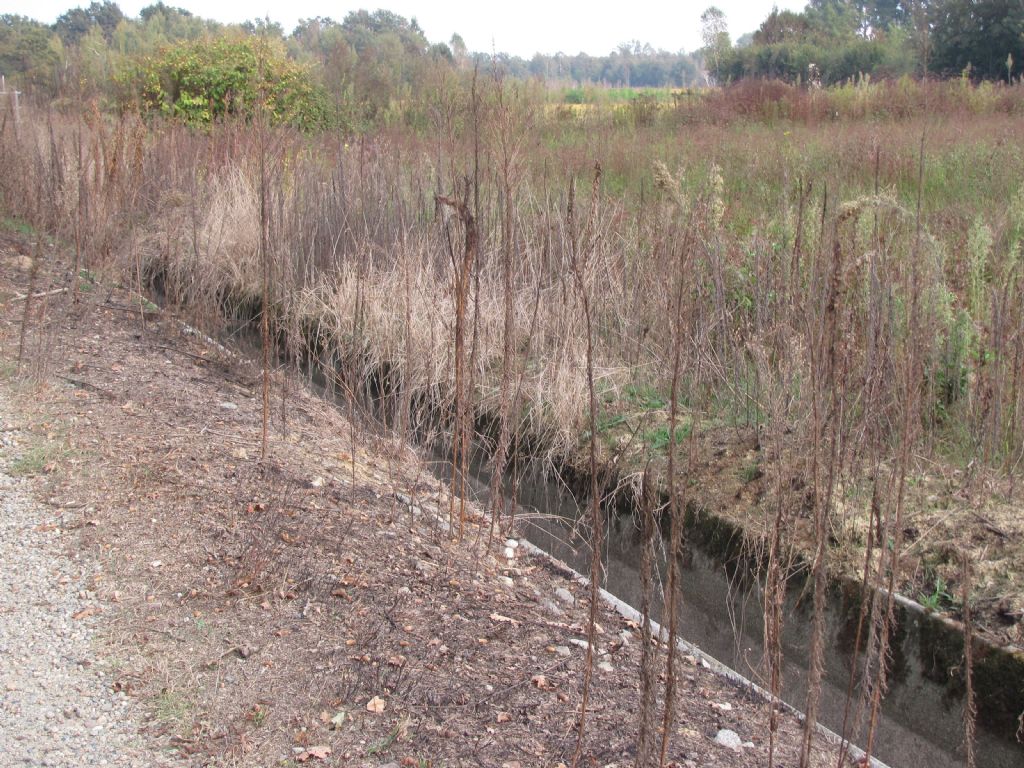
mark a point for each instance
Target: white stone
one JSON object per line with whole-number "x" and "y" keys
{"x": 565, "y": 595}
{"x": 729, "y": 739}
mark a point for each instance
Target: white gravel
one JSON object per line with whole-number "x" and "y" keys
{"x": 57, "y": 705}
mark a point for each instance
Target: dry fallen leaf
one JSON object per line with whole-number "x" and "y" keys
{"x": 376, "y": 705}
{"x": 503, "y": 619}
{"x": 320, "y": 752}
{"x": 541, "y": 682}
{"x": 503, "y": 717}
{"x": 92, "y": 610}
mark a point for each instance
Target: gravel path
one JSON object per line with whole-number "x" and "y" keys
{"x": 57, "y": 707}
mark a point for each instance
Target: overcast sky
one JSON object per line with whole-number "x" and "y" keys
{"x": 521, "y": 27}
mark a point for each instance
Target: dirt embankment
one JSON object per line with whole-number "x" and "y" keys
{"x": 300, "y": 608}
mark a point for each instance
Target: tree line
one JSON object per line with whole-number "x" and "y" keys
{"x": 371, "y": 67}
{"x": 835, "y": 40}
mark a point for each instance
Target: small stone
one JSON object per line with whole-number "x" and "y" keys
{"x": 240, "y": 453}
{"x": 579, "y": 643}
{"x": 604, "y": 666}
{"x": 551, "y": 607}
{"x": 562, "y": 650}
{"x": 511, "y": 543}
{"x": 565, "y": 595}
{"x": 506, "y": 580}
{"x": 228, "y": 406}
{"x": 317, "y": 482}
{"x": 509, "y": 553}
{"x": 729, "y": 739}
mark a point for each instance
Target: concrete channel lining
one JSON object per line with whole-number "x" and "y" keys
{"x": 632, "y": 614}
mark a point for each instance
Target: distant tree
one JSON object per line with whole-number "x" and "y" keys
{"x": 715, "y": 35}
{"x": 159, "y": 9}
{"x": 29, "y": 52}
{"x": 979, "y": 34}
{"x": 782, "y": 27}
{"x": 74, "y": 24}
{"x": 459, "y": 49}
{"x": 264, "y": 27}
{"x": 883, "y": 15}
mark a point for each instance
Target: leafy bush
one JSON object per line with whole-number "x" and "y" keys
{"x": 214, "y": 78}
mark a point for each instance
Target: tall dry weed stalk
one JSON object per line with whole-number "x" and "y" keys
{"x": 582, "y": 244}
{"x": 462, "y": 267}
{"x": 26, "y": 313}
{"x": 646, "y": 730}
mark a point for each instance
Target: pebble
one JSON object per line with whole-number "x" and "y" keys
{"x": 565, "y": 595}
{"x": 57, "y": 708}
{"x": 551, "y": 607}
{"x": 729, "y": 739}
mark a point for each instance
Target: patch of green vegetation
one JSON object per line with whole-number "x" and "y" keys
{"x": 939, "y": 599}
{"x": 751, "y": 472}
{"x": 259, "y": 715}
{"x": 172, "y": 708}
{"x": 384, "y": 744}
{"x": 37, "y": 459}
{"x": 606, "y": 422}
{"x": 16, "y": 225}
{"x": 645, "y": 397}
{"x": 657, "y": 440}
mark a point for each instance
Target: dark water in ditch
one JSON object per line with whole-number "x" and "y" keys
{"x": 722, "y": 613}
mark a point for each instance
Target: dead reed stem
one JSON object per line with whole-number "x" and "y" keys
{"x": 970, "y": 706}
{"x": 580, "y": 253}
{"x": 26, "y": 314}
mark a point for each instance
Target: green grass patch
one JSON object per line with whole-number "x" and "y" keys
{"x": 172, "y": 707}
{"x": 657, "y": 440}
{"x": 16, "y": 225}
{"x": 645, "y": 397}
{"x": 38, "y": 459}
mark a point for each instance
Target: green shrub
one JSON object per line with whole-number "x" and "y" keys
{"x": 211, "y": 79}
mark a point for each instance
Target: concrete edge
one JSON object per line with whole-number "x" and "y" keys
{"x": 709, "y": 662}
